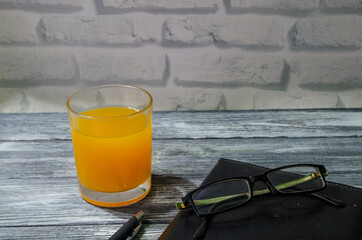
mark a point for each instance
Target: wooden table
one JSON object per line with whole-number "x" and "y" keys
{"x": 39, "y": 196}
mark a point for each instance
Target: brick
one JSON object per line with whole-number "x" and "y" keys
{"x": 334, "y": 31}
{"x": 192, "y": 4}
{"x": 121, "y": 67}
{"x": 354, "y": 99}
{"x": 334, "y": 70}
{"x": 280, "y": 100}
{"x": 190, "y": 30}
{"x": 206, "y": 4}
{"x": 12, "y": 100}
{"x": 48, "y": 98}
{"x": 254, "y": 31}
{"x": 240, "y": 98}
{"x": 194, "y": 99}
{"x": 36, "y": 67}
{"x": 14, "y": 29}
{"x": 247, "y": 31}
{"x": 345, "y": 4}
{"x": 161, "y": 4}
{"x": 229, "y": 69}
{"x": 97, "y": 30}
{"x": 141, "y": 4}
{"x": 287, "y": 5}
{"x": 76, "y": 4}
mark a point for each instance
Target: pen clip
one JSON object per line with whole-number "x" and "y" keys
{"x": 130, "y": 228}
{"x": 140, "y": 215}
{"x": 134, "y": 232}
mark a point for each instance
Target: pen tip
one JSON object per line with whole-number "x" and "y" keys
{"x": 140, "y": 215}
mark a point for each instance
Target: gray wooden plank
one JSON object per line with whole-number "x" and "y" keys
{"x": 245, "y": 124}
{"x": 39, "y": 186}
{"x": 38, "y": 202}
{"x": 181, "y": 157}
{"x": 148, "y": 231}
{"x": 39, "y": 195}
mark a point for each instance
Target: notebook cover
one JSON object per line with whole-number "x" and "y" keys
{"x": 274, "y": 217}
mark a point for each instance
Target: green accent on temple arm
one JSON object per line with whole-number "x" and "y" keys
{"x": 295, "y": 182}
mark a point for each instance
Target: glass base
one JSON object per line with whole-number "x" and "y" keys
{"x": 116, "y": 199}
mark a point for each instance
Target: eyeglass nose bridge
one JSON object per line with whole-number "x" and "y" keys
{"x": 261, "y": 178}
{"x": 257, "y": 178}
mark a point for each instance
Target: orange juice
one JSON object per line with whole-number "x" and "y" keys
{"x": 112, "y": 148}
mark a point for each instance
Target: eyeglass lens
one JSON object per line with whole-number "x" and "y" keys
{"x": 221, "y": 196}
{"x": 296, "y": 179}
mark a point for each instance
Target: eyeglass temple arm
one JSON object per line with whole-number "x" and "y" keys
{"x": 181, "y": 205}
{"x": 201, "y": 231}
{"x": 335, "y": 202}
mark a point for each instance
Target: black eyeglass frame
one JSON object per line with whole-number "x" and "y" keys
{"x": 188, "y": 199}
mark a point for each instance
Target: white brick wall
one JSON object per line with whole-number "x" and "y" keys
{"x": 25, "y": 67}
{"x": 288, "y": 5}
{"x": 254, "y": 31}
{"x": 340, "y": 71}
{"x": 161, "y": 4}
{"x": 96, "y": 30}
{"x": 189, "y": 54}
{"x": 14, "y": 29}
{"x": 122, "y": 68}
{"x": 337, "y": 31}
{"x": 229, "y": 69}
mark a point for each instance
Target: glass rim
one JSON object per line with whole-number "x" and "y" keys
{"x": 110, "y": 85}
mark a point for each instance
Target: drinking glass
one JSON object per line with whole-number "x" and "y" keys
{"x": 111, "y": 128}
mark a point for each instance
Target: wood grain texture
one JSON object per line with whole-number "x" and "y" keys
{"x": 148, "y": 231}
{"x": 245, "y": 124}
{"x": 38, "y": 184}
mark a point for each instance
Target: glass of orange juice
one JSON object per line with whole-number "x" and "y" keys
{"x": 111, "y": 128}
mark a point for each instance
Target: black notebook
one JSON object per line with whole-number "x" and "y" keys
{"x": 294, "y": 217}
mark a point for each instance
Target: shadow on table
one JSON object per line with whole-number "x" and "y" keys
{"x": 159, "y": 204}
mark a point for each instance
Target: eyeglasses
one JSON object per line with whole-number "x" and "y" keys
{"x": 228, "y": 194}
